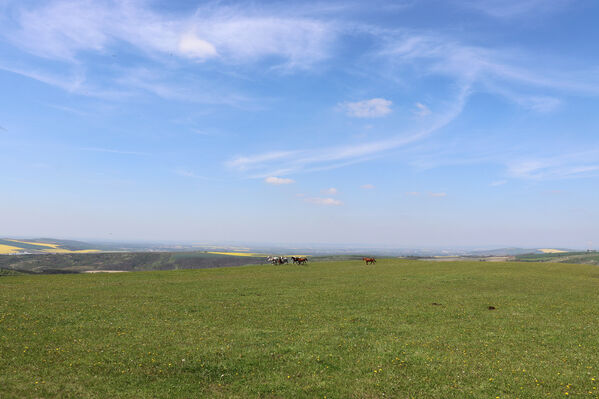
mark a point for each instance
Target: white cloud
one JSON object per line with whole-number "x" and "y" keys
{"x": 194, "y": 47}
{"x": 373, "y": 108}
{"x": 330, "y": 191}
{"x": 278, "y": 180}
{"x": 367, "y": 186}
{"x": 422, "y": 110}
{"x": 324, "y": 201}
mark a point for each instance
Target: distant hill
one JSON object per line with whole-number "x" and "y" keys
{"x": 14, "y": 246}
{"x": 517, "y": 251}
{"x": 589, "y": 258}
{"x": 75, "y": 262}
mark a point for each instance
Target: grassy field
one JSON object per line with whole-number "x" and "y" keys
{"x": 398, "y": 329}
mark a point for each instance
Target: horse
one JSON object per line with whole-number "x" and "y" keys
{"x": 301, "y": 261}
{"x": 275, "y": 260}
{"x": 369, "y": 260}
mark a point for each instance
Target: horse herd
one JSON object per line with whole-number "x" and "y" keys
{"x": 298, "y": 260}
{"x": 280, "y": 260}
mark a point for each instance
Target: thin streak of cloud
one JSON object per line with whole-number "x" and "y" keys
{"x": 192, "y": 175}
{"x": 278, "y": 180}
{"x": 324, "y": 201}
{"x": 367, "y": 186}
{"x": 71, "y": 84}
{"x": 246, "y": 162}
{"x": 563, "y": 166}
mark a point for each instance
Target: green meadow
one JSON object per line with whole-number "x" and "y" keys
{"x": 398, "y": 329}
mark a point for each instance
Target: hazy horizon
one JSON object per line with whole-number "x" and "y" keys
{"x": 281, "y": 244}
{"x": 393, "y": 123}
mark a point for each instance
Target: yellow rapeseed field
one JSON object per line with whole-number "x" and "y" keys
{"x": 36, "y": 243}
{"x": 8, "y": 249}
{"x": 551, "y": 251}
{"x": 235, "y": 253}
{"x": 68, "y": 251}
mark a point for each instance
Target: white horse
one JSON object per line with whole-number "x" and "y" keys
{"x": 275, "y": 260}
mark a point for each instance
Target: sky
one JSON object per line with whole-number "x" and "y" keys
{"x": 408, "y": 123}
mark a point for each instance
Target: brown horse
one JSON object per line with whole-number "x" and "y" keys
{"x": 369, "y": 261}
{"x": 299, "y": 260}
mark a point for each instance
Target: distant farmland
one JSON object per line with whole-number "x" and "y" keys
{"x": 590, "y": 258}
{"x": 398, "y": 329}
{"x": 124, "y": 261}
{"x": 13, "y": 246}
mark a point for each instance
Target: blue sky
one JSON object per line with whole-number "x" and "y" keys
{"x": 402, "y": 123}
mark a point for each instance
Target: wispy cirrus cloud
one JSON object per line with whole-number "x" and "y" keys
{"x": 64, "y": 34}
{"x": 563, "y": 166}
{"x": 489, "y": 68}
{"x": 471, "y": 68}
{"x": 287, "y": 162}
{"x": 64, "y": 29}
{"x": 74, "y": 82}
